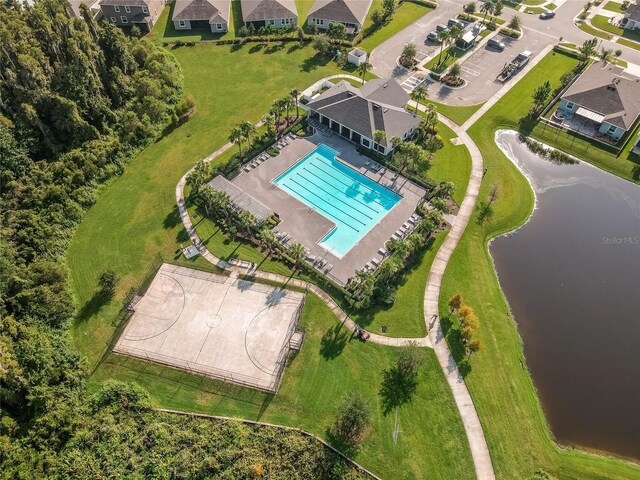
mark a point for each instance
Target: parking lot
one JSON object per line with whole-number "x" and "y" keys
{"x": 483, "y": 66}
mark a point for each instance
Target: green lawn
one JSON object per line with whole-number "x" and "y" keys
{"x": 405, "y": 15}
{"x": 505, "y": 397}
{"x": 457, "y": 113}
{"x": 164, "y": 31}
{"x": 449, "y": 56}
{"x": 602, "y": 22}
{"x": 613, "y": 7}
{"x": 136, "y": 217}
{"x": 431, "y": 442}
{"x": 628, "y": 43}
{"x": 406, "y": 317}
{"x": 535, "y": 10}
{"x": 585, "y": 27}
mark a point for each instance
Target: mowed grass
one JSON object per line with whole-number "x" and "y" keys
{"x": 613, "y": 7}
{"x": 502, "y": 389}
{"x": 136, "y": 218}
{"x": 431, "y": 441}
{"x": 405, "y": 15}
{"x": 458, "y": 114}
{"x": 585, "y": 27}
{"x": 406, "y": 317}
{"x": 452, "y": 163}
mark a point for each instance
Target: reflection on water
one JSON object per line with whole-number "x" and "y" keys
{"x": 572, "y": 278}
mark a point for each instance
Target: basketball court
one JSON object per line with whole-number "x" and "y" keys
{"x": 214, "y": 325}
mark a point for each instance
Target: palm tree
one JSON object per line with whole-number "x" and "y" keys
{"x": 268, "y": 238}
{"x": 248, "y": 129}
{"x": 378, "y": 137}
{"x": 236, "y": 136}
{"x": 444, "y": 37}
{"x": 294, "y": 93}
{"x": 363, "y": 68}
{"x": 605, "y": 55}
{"x": 395, "y": 141}
{"x": 486, "y": 8}
{"x": 287, "y": 105}
{"x": 247, "y": 221}
{"x": 431, "y": 117}
{"x": 419, "y": 94}
{"x": 297, "y": 253}
{"x": 277, "y": 107}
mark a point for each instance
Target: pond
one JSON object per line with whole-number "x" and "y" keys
{"x": 572, "y": 278}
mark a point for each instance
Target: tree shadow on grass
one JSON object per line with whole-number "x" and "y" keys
{"x": 339, "y": 444}
{"x": 397, "y": 388}
{"x": 333, "y": 341}
{"x": 256, "y": 48}
{"x": 312, "y": 63}
{"x": 274, "y": 47}
{"x": 93, "y": 306}
{"x": 172, "y": 219}
{"x": 456, "y": 346}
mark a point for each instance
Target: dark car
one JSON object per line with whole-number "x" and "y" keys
{"x": 547, "y": 15}
{"x": 433, "y": 37}
{"x": 495, "y": 44}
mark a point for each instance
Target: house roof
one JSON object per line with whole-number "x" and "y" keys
{"x": 121, "y": 3}
{"x": 215, "y": 11}
{"x": 608, "y": 91}
{"x": 365, "y": 110}
{"x": 345, "y": 11}
{"x": 633, "y": 12}
{"x": 257, "y": 10}
{"x": 241, "y": 199}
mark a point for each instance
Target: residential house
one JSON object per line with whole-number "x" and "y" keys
{"x": 277, "y": 13}
{"x": 93, "y": 5}
{"x": 631, "y": 19}
{"x": 351, "y": 13}
{"x": 356, "y": 113}
{"x": 127, "y": 13}
{"x": 603, "y": 102}
{"x": 208, "y": 14}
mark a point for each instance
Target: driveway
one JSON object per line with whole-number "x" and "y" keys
{"x": 482, "y": 67}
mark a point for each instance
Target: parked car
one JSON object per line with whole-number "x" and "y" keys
{"x": 441, "y": 28}
{"x": 454, "y": 21}
{"x": 547, "y": 15}
{"x": 496, "y": 44}
{"x": 433, "y": 37}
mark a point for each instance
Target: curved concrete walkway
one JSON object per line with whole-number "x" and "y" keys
{"x": 435, "y": 338}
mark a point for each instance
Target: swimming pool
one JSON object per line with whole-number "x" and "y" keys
{"x": 352, "y": 201}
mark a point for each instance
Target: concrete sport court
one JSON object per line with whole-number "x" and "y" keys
{"x": 214, "y": 325}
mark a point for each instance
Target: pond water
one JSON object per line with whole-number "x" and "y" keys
{"x": 572, "y": 278}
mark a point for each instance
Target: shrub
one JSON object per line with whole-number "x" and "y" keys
{"x": 108, "y": 280}
{"x": 354, "y": 415}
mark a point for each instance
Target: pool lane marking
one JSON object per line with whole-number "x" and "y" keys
{"x": 312, "y": 204}
{"x": 395, "y": 198}
{"x": 340, "y": 200}
{"x": 349, "y": 187}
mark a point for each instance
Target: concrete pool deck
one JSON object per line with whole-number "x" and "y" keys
{"x": 307, "y": 226}
{"x": 215, "y": 325}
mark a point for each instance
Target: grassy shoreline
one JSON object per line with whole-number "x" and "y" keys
{"x": 510, "y": 410}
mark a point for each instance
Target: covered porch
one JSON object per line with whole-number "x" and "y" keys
{"x": 347, "y": 133}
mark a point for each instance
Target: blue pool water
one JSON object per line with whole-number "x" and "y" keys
{"x": 352, "y": 201}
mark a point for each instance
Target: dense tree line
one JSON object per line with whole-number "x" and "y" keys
{"x": 77, "y": 99}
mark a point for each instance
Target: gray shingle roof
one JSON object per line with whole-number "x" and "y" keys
{"x": 241, "y": 199}
{"x": 212, "y": 10}
{"x": 346, "y": 11}
{"x": 633, "y": 12}
{"x": 363, "y": 111}
{"x": 257, "y": 10}
{"x": 606, "y": 90}
{"x": 121, "y": 3}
